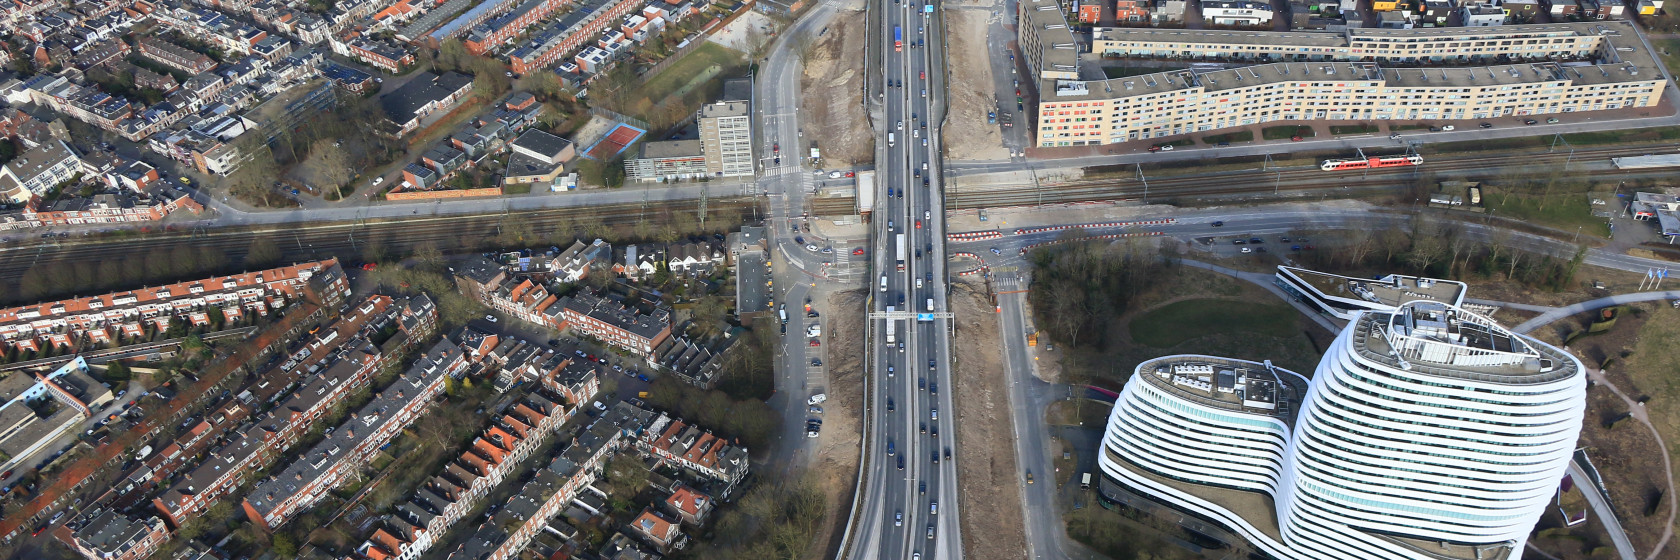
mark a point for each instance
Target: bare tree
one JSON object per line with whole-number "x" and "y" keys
{"x": 1361, "y": 242}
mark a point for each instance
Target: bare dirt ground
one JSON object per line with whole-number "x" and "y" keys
{"x": 831, "y": 91}
{"x": 746, "y": 33}
{"x": 971, "y": 90}
{"x": 990, "y": 493}
{"x": 835, "y": 464}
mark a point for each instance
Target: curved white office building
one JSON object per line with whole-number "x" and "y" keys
{"x": 1426, "y": 433}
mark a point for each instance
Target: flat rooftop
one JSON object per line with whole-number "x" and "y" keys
{"x": 1231, "y": 384}
{"x": 1392, "y": 290}
{"x": 1446, "y": 341}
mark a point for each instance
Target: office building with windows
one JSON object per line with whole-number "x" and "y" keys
{"x": 1428, "y": 432}
{"x": 1361, "y": 74}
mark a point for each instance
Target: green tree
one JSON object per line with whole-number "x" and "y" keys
{"x": 285, "y": 545}
{"x": 612, "y": 174}
{"x": 116, "y": 370}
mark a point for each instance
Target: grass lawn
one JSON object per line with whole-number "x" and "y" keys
{"x": 686, "y": 69}
{"x": 1651, "y": 367}
{"x": 1399, "y": 127}
{"x": 1177, "y": 322}
{"x": 1285, "y": 132}
{"x": 1179, "y": 143}
{"x": 519, "y": 188}
{"x": 1563, "y": 211}
{"x": 1669, "y": 51}
{"x": 1353, "y": 129}
{"x": 1238, "y": 136}
{"x": 1620, "y": 136}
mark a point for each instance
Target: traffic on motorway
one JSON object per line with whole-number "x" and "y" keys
{"x": 910, "y": 464}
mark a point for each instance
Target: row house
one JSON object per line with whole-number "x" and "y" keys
{"x": 577, "y": 28}
{"x": 17, "y": 12}
{"x": 259, "y": 443}
{"x": 574, "y": 264}
{"x": 443, "y": 500}
{"x": 383, "y": 55}
{"x": 37, "y": 170}
{"x": 639, "y": 262}
{"x": 506, "y": 27}
{"x": 347, "y": 448}
{"x": 174, "y": 56}
{"x": 691, "y": 362}
{"x": 415, "y": 319}
{"x": 694, "y": 450}
{"x": 74, "y": 316}
{"x": 124, "y": 207}
{"x": 101, "y": 53}
{"x": 660, "y": 529}
{"x": 640, "y": 27}
{"x": 552, "y": 487}
{"x": 689, "y": 505}
{"x": 695, "y": 259}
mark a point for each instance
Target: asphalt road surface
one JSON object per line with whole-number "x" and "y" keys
{"x": 906, "y": 472}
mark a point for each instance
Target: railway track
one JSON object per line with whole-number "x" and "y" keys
{"x": 309, "y": 241}
{"x": 1251, "y": 181}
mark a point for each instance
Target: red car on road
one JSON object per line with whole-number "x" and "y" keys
{"x": 857, "y": 251}
{"x": 815, "y": 342}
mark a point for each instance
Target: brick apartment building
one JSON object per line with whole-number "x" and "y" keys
{"x": 381, "y": 55}
{"x": 347, "y": 448}
{"x": 423, "y": 95}
{"x": 342, "y": 369}
{"x": 584, "y": 312}
{"x": 109, "y": 535}
{"x": 576, "y": 29}
{"x": 174, "y": 56}
{"x": 613, "y": 322}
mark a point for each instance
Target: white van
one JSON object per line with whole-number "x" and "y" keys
{"x": 891, "y": 138}
{"x": 883, "y": 283}
{"x": 930, "y": 304}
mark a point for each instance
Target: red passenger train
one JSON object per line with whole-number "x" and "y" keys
{"x": 1371, "y": 162}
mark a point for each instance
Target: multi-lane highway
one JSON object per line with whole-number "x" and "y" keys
{"x": 909, "y": 503}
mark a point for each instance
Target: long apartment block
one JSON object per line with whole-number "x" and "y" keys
{"x": 332, "y": 366}
{"x": 341, "y": 455}
{"x": 1454, "y": 73}
{"x": 120, "y": 315}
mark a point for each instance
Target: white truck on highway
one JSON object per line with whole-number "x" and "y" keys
{"x": 892, "y": 327}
